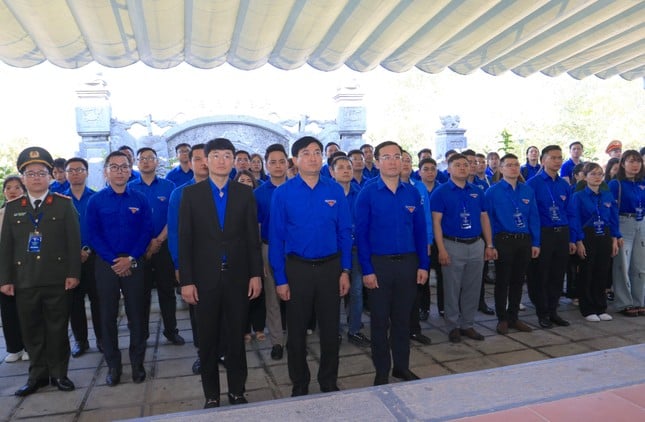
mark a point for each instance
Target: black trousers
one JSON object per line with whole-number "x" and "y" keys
{"x": 159, "y": 270}
{"x": 436, "y": 266}
{"x": 421, "y": 303}
{"x": 513, "y": 259}
{"x": 44, "y": 315}
{"x": 78, "y": 318}
{"x": 221, "y": 319}
{"x": 10, "y": 324}
{"x": 546, "y": 273}
{"x": 313, "y": 286}
{"x": 593, "y": 273}
{"x": 391, "y": 304}
{"x": 257, "y": 314}
{"x": 573, "y": 276}
{"x": 109, "y": 287}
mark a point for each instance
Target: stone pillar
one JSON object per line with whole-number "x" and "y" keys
{"x": 93, "y": 115}
{"x": 351, "y": 117}
{"x": 450, "y": 136}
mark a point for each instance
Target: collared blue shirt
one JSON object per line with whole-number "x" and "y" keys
{"x": 57, "y": 187}
{"x": 549, "y": 193}
{"x": 220, "y": 198}
{"x": 118, "y": 224}
{"x": 415, "y": 176}
{"x": 311, "y": 223}
{"x": 370, "y": 174}
{"x": 505, "y": 203}
{"x": 134, "y": 175}
{"x": 390, "y": 223}
{"x": 529, "y": 171}
{"x": 489, "y": 172}
{"x": 425, "y": 202}
{"x": 630, "y": 195}
{"x": 324, "y": 171}
{"x": 567, "y": 169}
{"x": 453, "y": 202}
{"x": 178, "y": 176}
{"x": 263, "y": 194}
{"x": 81, "y": 208}
{"x": 589, "y": 207}
{"x": 173, "y": 221}
{"x": 360, "y": 184}
{"x": 483, "y": 184}
{"x": 443, "y": 176}
{"x": 158, "y": 195}
{"x": 351, "y": 196}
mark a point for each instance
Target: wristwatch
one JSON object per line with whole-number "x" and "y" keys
{"x": 347, "y": 271}
{"x": 87, "y": 249}
{"x": 133, "y": 262}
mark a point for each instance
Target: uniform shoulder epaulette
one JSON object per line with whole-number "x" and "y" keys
{"x": 62, "y": 196}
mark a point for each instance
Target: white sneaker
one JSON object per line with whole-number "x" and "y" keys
{"x": 25, "y": 355}
{"x": 592, "y": 318}
{"x": 14, "y": 357}
{"x": 605, "y": 317}
{"x": 522, "y": 307}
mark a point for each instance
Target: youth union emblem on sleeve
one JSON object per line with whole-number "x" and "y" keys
{"x": 330, "y": 202}
{"x": 410, "y": 208}
{"x": 133, "y": 210}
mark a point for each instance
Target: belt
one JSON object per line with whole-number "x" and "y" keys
{"x": 466, "y": 240}
{"x": 397, "y": 257}
{"x": 557, "y": 229}
{"x": 266, "y": 242}
{"x": 628, "y": 214}
{"x": 518, "y": 236}
{"x": 314, "y": 261}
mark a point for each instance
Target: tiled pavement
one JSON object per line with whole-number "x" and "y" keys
{"x": 171, "y": 386}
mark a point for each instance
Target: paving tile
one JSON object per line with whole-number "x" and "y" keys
{"x": 567, "y": 349}
{"x": 445, "y": 352}
{"x": 592, "y": 407}
{"x": 356, "y": 365}
{"x": 60, "y": 417}
{"x": 635, "y": 394}
{"x": 179, "y": 388}
{"x": 470, "y": 365}
{"x": 257, "y": 378}
{"x": 519, "y": 414}
{"x": 90, "y": 359}
{"x": 539, "y": 338}
{"x": 430, "y": 370}
{"x": 124, "y": 394}
{"x": 585, "y": 330}
{"x": 111, "y": 414}
{"x": 7, "y": 405}
{"x": 176, "y": 406}
{"x": 606, "y": 342}
{"x": 16, "y": 368}
{"x": 496, "y": 344}
{"x": 519, "y": 356}
{"x": 49, "y": 401}
{"x": 174, "y": 367}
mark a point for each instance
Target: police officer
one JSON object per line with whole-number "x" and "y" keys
{"x": 40, "y": 265}
{"x": 119, "y": 228}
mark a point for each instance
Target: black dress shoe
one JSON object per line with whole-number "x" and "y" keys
{"x": 404, "y": 374}
{"x": 99, "y": 346}
{"x": 175, "y": 338}
{"x": 418, "y": 337}
{"x": 329, "y": 388}
{"x": 79, "y": 349}
{"x": 423, "y": 315}
{"x": 299, "y": 390}
{"x": 277, "y": 351}
{"x": 113, "y": 377}
{"x": 558, "y": 320}
{"x": 211, "y": 403}
{"x": 63, "y": 384}
{"x": 237, "y": 399}
{"x": 31, "y": 387}
{"x": 485, "y": 309}
{"x": 455, "y": 335}
{"x": 545, "y": 322}
{"x": 471, "y": 333}
{"x": 197, "y": 366}
{"x": 138, "y": 373}
{"x": 381, "y": 379}
{"x": 222, "y": 361}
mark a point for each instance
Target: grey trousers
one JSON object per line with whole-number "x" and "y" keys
{"x": 462, "y": 280}
{"x": 628, "y": 271}
{"x": 274, "y": 319}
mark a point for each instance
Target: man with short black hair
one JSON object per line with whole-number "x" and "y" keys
{"x": 370, "y": 171}
{"x": 421, "y": 155}
{"x": 330, "y": 149}
{"x": 575, "y": 154}
{"x": 129, "y": 153}
{"x": 358, "y": 164}
{"x": 60, "y": 183}
{"x": 492, "y": 164}
{"x": 183, "y": 172}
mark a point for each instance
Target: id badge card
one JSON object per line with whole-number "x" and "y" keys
{"x": 554, "y": 212}
{"x": 599, "y": 227}
{"x": 465, "y": 220}
{"x": 34, "y": 242}
{"x": 639, "y": 213}
{"x": 518, "y": 219}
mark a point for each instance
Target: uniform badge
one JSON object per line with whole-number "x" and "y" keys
{"x": 526, "y": 201}
{"x": 607, "y": 204}
{"x": 49, "y": 200}
{"x": 474, "y": 195}
{"x": 23, "y": 202}
{"x": 133, "y": 210}
{"x": 330, "y": 202}
{"x": 161, "y": 198}
{"x": 19, "y": 214}
{"x": 563, "y": 197}
{"x": 410, "y": 208}
{"x": 34, "y": 154}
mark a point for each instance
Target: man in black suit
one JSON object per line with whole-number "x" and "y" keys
{"x": 220, "y": 265}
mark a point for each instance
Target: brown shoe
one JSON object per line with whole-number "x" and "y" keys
{"x": 502, "y": 327}
{"x": 641, "y": 311}
{"x": 520, "y": 326}
{"x": 454, "y": 336}
{"x": 471, "y": 334}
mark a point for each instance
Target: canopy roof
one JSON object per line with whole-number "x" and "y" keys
{"x": 580, "y": 37}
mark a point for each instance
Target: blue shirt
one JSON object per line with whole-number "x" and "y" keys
{"x": 173, "y": 221}
{"x": 390, "y": 223}
{"x": 351, "y": 196}
{"x": 118, "y": 224}
{"x": 509, "y": 208}
{"x": 134, "y": 175}
{"x": 81, "y": 208}
{"x": 158, "y": 194}
{"x": 263, "y": 194}
{"x": 529, "y": 171}
{"x": 443, "y": 176}
{"x": 425, "y": 202}
{"x": 630, "y": 195}
{"x": 567, "y": 169}
{"x": 589, "y": 207}
{"x": 57, "y": 187}
{"x": 220, "y": 198}
{"x": 310, "y": 223}
{"x": 489, "y": 172}
{"x": 551, "y": 193}
{"x": 483, "y": 184}
{"x": 459, "y": 205}
{"x": 370, "y": 174}
{"x": 179, "y": 176}
{"x": 324, "y": 171}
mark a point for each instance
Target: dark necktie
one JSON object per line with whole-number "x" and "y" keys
{"x": 37, "y": 203}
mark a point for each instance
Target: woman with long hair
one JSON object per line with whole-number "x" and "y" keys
{"x": 628, "y": 271}
{"x": 257, "y": 168}
{"x": 532, "y": 165}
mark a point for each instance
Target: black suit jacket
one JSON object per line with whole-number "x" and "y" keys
{"x": 202, "y": 243}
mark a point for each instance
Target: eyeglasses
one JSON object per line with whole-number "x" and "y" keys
{"x": 241, "y": 160}
{"x": 596, "y": 174}
{"x": 388, "y": 157}
{"x": 406, "y": 160}
{"x": 146, "y": 159}
{"x": 79, "y": 170}
{"x": 183, "y": 151}
{"x": 124, "y": 168}
{"x": 34, "y": 174}
{"x": 307, "y": 154}
{"x": 217, "y": 156}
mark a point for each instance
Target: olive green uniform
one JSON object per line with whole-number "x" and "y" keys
{"x": 39, "y": 277}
